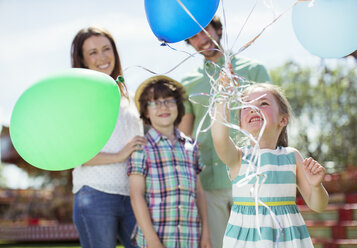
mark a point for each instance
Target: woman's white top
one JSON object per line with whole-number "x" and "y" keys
{"x": 112, "y": 178}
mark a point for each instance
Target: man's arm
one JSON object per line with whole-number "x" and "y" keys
{"x": 186, "y": 124}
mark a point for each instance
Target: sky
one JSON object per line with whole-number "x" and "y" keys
{"x": 36, "y": 37}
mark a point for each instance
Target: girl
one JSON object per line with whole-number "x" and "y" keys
{"x": 269, "y": 186}
{"x": 101, "y": 210}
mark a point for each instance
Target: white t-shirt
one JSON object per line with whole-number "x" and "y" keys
{"x": 112, "y": 178}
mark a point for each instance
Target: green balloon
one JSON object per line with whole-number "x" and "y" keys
{"x": 64, "y": 120}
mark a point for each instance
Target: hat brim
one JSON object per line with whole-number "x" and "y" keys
{"x": 142, "y": 86}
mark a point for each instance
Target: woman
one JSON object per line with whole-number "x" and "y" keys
{"x": 101, "y": 209}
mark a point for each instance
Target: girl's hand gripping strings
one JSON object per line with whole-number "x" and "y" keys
{"x": 227, "y": 76}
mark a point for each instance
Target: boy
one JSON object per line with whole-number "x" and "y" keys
{"x": 165, "y": 189}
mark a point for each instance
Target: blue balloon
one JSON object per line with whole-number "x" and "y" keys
{"x": 327, "y": 28}
{"x": 171, "y": 23}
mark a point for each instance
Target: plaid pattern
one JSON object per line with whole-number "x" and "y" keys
{"x": 171, "y": 176}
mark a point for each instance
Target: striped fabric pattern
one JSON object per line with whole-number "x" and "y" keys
{"x": 171, "y": 174}
{"x": 279, "y": 193}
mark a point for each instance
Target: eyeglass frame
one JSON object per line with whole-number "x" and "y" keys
{"x": 169, "y": 103}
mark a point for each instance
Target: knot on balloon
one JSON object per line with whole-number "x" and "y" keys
{"x": 120, "y": 80}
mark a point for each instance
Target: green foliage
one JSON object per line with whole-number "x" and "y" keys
{"x": 324, "y": 102}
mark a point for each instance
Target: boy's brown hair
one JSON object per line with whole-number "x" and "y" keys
{"x": 159, "y": 87}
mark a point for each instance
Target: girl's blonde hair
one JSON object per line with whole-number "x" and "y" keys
{"x": 283, "y": 103}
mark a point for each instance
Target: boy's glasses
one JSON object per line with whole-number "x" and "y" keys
{"x": 167, "y": 103}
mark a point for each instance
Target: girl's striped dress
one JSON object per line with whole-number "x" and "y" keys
{"x": 278, "y": 192}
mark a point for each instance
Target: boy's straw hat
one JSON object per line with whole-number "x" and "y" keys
{"x": 142, "y": 86}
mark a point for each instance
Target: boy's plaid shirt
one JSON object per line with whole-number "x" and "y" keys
{"x": 171, "y": 174}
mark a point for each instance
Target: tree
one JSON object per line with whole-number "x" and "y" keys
{"x": 324, "y": 103}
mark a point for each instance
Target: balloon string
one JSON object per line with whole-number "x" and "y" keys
{"x": 270, "y": 5}
{"x": 225, "y": 34}
{"x": 231, "y": 94}
{"x": 203, "y": 28}
{"x": 175, "y": 67}
{"x": 271, "y": 23}
{"x": 311, "y": 4}
{"x": 245, "y": 22}
{"x": 167, "y": 44}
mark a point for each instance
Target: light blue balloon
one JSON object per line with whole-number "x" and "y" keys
{"x": 327, "y": 28}
{"x": 171, "y": 23}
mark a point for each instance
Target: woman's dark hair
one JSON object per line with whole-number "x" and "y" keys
{"x": 161, "y": 88}
{"x": 77, "y": 52}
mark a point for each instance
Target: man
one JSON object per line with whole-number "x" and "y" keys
{"x": 217, "y": 186}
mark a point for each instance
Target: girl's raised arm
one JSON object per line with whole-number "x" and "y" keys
{"x": 224, "y": 145}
